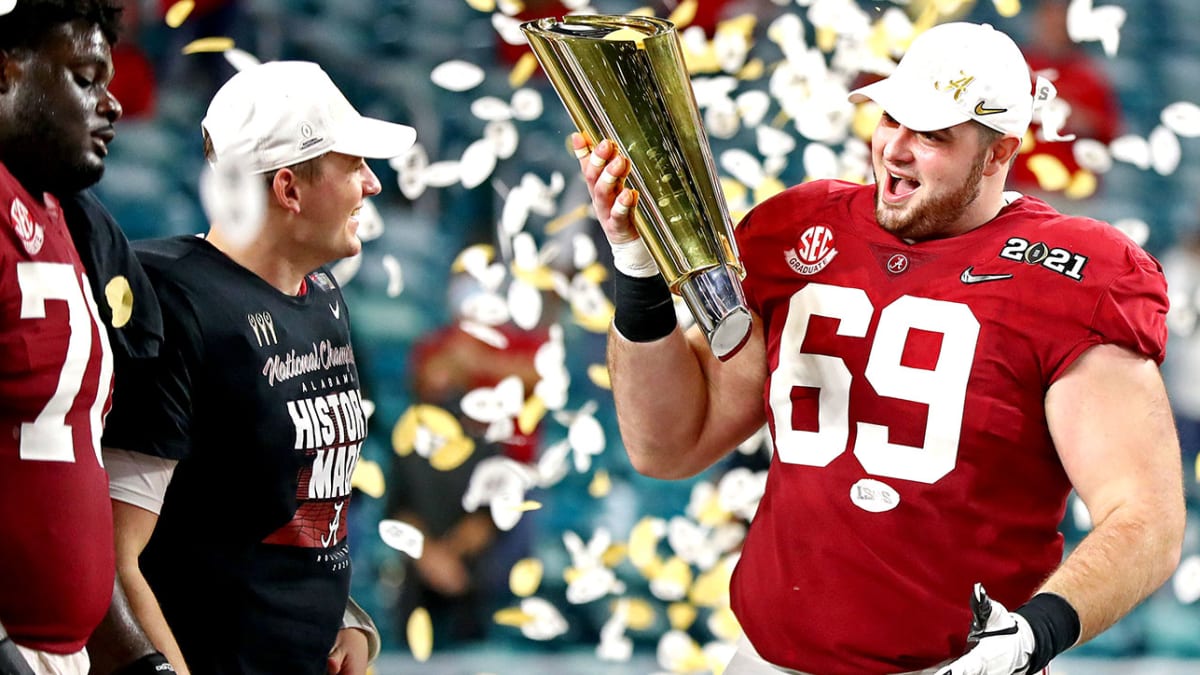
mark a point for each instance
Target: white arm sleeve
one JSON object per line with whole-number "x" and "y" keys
{"x": 138, "y": 479}
{"x": 357, "y": 617}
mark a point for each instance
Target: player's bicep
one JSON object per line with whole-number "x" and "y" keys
{"x": 1111, "y": 423}
{"x": 735, "y": 390}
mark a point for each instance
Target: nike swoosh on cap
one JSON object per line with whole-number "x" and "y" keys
{"x": 980, "y": 110}
{"x": 968, "y": 278}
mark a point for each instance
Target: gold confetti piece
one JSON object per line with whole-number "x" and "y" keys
{"x": 681, "y": 615}
{"x": 452, "y": 455}
{"x": 711, "y": 512}
{"x": 120, "y": 300}
{"x": 675, "y": 574}
{"x": 742, "y": 24}
{"x": 512, "y": 616}
{"x": 562, "y": 221}
{"x": 528, "y": 505}
{"x": 1028, "y": 142}
{"x": 1083, "y": 185}
{"x": 438, "y": 421}
{"x": 420, "y": 634}
{"x": 523, "y": 70}
{"x": 866, "y": 118}
{"x": 643, "y": 541}
{"x": 753, "y": 70}
{"x": 595, "y": 273}
{"x": 525, "y": 577}
{"x": 1050, "y": 172}
{"x": 641, "y": 614}
{"x": 1008, "y": 8}
{"x": 598, "y": 374}
{"x": 595, "y": 322}
{"x": 540, "y": 277}
{"x": 711, "y": 589}
{"x": 208, "y": 44}
{"x": 488, "y": 6}
{"x": 769, "y": 187}
{"x": 643, "y": 11}
{"x": 601, "y": 484}
{"x": 683, "y": 14}
{"x": 724, "y": 625}
{"x": 531, "y": 414}
{"x": 572, "y": 574}
{"x": 614, "y": 555}
{"x": 179, "y": 12}
{"x": 404, "y": 434}
{"x": 734, "y": 190}
{"x": 368, "y": 477}
{"x": 484, "y": 252}
{"x": 826, "y": 38}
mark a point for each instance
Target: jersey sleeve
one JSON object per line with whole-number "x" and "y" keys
{"x": 1131, "y": 313}
{"x": 152, "y": 397}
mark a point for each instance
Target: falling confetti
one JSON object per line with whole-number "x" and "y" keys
{"x": 420, "y": 634}
{"x": 208, "y": 45}
{"x": 176, "y": 14}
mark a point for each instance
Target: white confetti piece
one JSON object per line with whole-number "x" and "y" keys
{"x": 587, "y": 440}
{"x": 546, "y": 622}
{"x": 1165, "y": 151}
{"x": 403, "y": 537}
{"x": 490, "y": 108}
{"x": 524, "y": 304}
{"x": 526, "y": 104}
{"x": 508, "y": 28}
{"x": 742, "y": 166}
{"x": 410, "y": 171}
{"x": 1103, "y": 24}
{"x": 234, "y": 197}
{"x": 443, "y": 174}
{"x": 1092, "y": 155}
{"x": 483, "y": 333}
{"x": 820, "y": 161}
{"x": 457, "y": 75}
{"x": 370, "y": 221}
{"x": 486, "y": 308}
{"x": 240, "y": 59}
{"x": 772, "y": 142}
{"x": 614, "y": 645}
{"x": 477, "y": 163}
{"x": 1134, "y": 228}
{"x": 395, "y": 275}
{"x": 503, "y": 136}
{"x": 1132, "y": 149}
{"x": 1186, "y": 582}
{"x": 1182, "y": 117}
{"x": 753, "y": 106}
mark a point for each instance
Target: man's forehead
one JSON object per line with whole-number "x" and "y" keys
{"x": 80, "y": 40}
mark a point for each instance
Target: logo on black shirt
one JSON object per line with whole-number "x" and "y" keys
{"x": 263, "y": 325}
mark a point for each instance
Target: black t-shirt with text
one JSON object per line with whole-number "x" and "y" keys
{"x": 256, "y": 393}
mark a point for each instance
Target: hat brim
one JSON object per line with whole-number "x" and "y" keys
{"x": 917, "y": 111}
{"x": 375, "y": 139}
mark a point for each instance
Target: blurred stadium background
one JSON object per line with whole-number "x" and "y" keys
{"x": 406, "y": 285}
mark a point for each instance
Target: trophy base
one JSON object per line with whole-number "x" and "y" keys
{"x": 715, "y": 299}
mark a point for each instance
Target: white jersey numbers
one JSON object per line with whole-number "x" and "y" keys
{"x": 942, "y": 388}
{"x": 48, "y": 437}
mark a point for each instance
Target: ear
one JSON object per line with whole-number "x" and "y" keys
{"x": 11, "y": 68}
{"x": 1000, "y": 154}
{"x": 285, "y": 190}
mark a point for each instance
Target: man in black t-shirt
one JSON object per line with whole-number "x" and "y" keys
{"x": 231, "y": 454}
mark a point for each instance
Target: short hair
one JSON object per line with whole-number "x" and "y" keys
{"x": 307, "y": 170}
{"x": 28, "y": 24}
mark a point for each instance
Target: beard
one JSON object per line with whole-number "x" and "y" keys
{"x": 936, "y": 214}
{"x": 44, "y": 159}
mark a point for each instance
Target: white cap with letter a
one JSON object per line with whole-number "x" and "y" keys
{"x": 957, "y": 72}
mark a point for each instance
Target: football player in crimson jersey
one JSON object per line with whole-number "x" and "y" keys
{"x": 939, "y": 362}
{"x": 56, "y": 120}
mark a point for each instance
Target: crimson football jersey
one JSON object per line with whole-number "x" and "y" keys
{"x": 906, "y": 403}
{"x": 56, "y": 559}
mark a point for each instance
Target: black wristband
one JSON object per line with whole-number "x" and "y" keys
{"x": 11, "y": 661}
{"x": 1055, "y": 625}
{"x": 644, "y": 310}
{"x": 153, "y": 663}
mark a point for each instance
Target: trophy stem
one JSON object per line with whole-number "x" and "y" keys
{"x": 714, "y": 296}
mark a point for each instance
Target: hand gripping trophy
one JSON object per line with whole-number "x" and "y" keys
{"x": 623, "y": 78}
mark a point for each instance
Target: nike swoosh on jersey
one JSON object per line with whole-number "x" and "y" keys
{"x": 969, "y": 278}
{"x": 336, "y": 309}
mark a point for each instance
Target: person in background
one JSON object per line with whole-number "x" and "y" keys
{"x": 231, "y": 454}
{"x": 60, "y": 252}
{"x": 1081, "y": 82}
{"x": 940, "y": 365}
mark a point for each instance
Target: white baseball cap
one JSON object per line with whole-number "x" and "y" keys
{"x": 281, "y": 113}
{"x": 956, "y": 72}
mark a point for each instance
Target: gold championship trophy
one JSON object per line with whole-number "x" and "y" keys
{"x": 623, "y": 78}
